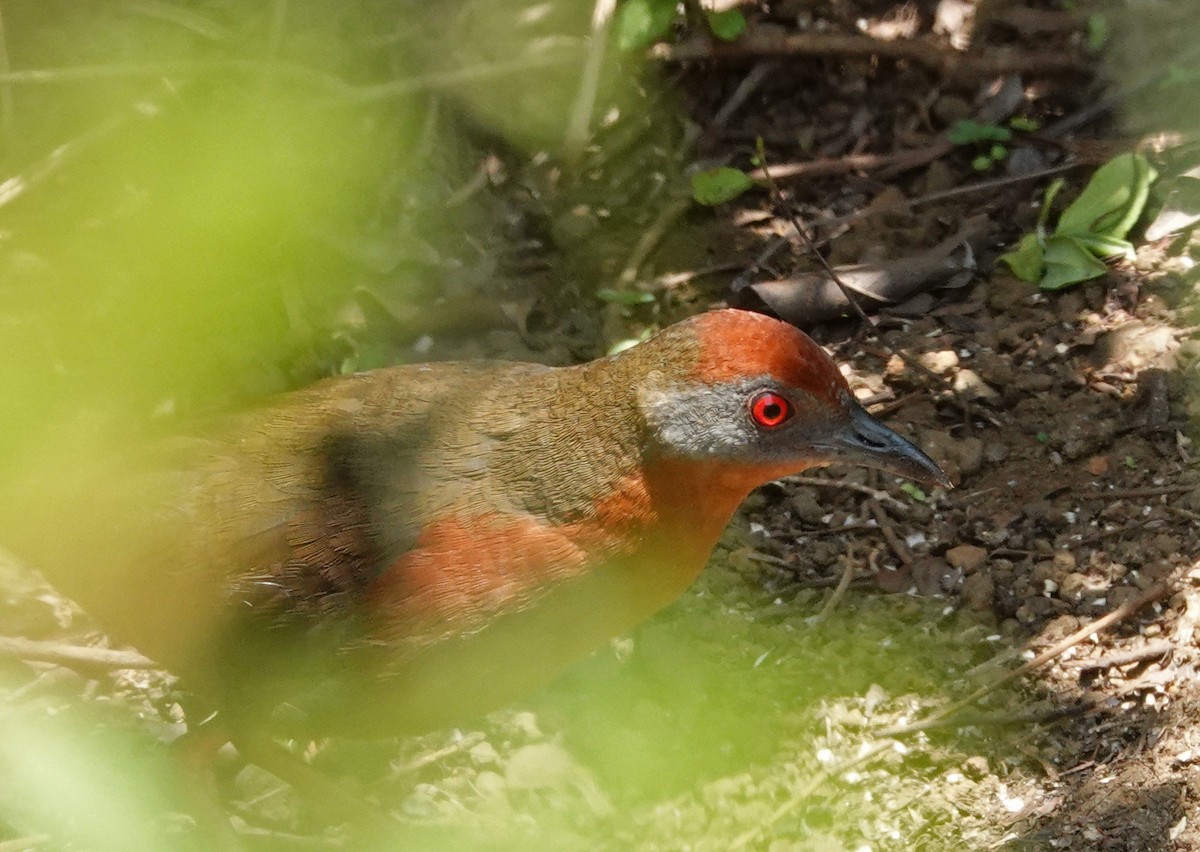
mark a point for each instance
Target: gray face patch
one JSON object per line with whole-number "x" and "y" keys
{"x": 713, "y": 421}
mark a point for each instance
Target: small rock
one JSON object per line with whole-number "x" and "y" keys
{"x": 1024, "y": 160}
{"x": 526, "y": 724}
{"x": 995, "y": 452}
{"x": 1064, "y": 561}
{"x": 933, "y": 576}
{"x": 805, "y": 507}
{"x": 1060, "y": 628}
{"x": 893, "y": 580}
{"x": 966, "y": 557}
{"x": 1037, "y": 609}
{"x": 483, "y": 752}
{"x": 941, "y": 361}
{"x": 538, "y": 766}
{"x": 970, "y": 455}
{"x": 1072, "y": 587}
{"x": 978, "y": 590}
{"x": 969, "y": 384}
{"x": 489, "y": 784}
{"x": 1165, "y": 544}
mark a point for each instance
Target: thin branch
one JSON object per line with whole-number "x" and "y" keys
{"x": 820, "y": 482}
{"x": 978, "y": 64}
{"x": 1057, "y": 649}
{"x": 840, "y": 590}
{"x": 1134, "y": 493}
{"x": 589, "y": 80}
{"x": 1152, "y": 651}
{"x": 909, "y": 361}
{"x": 73, "y": 656}
{"x": 889, "y": 532}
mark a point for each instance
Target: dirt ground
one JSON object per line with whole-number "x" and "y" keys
{"x": 779, "y": 705}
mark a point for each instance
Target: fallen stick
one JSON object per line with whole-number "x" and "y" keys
{"x": 940, "y": 717}
{"x": 771, "y": 42}
{"x": 73, "y": 656}
{"x": 1152, "y": 651}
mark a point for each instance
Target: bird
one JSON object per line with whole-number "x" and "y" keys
{"x": 408, "y": 548}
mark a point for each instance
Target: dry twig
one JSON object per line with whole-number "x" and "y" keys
{"x": 943, "y": 716}
{"x": 980, "y": 64}
{"x": 73, "y": 656}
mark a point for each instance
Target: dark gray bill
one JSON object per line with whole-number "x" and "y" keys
{"x": 862, "y": 439}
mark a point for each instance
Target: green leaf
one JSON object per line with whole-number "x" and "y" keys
{"x": 913, "y": 491}
{"x": 1103, "y": 246}
{"x": 1025, "y": 260}
{"x": 640, "y": 23}
{"x": 1024, "y": 123}
{"x": 981, "y": 163}
{"x": 1047, "y": 200}
{"x": 624, "y": 297}
{"x": 1097, "y": 31}
{"x": 967, "y": 132}
{"x": 1112, "y": 201}
{"x": 716, "y": 186}
{"x": 998, "y": 152}
{"x": 1068, "y": 262}
{"x": 727, "y": 25}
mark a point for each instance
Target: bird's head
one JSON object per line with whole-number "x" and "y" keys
{"x": 746, "y": 391}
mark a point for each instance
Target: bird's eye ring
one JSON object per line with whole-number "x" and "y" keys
{"x": 769, "y": 409}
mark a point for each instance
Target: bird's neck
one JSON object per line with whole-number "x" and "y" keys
{"x": 672, "y": 514}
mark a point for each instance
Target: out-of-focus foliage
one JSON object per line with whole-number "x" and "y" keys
{"x": 640, "y": 23}
{"x": 720, "y": 184}
{"x": 203, "y": 202}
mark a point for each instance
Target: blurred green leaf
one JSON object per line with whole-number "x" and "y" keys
{"x": 1097, "y": 31}
{"x": 716, "y": 186}
{"x": 998, "y": 152}
{"x": 981, "y": 163}
{"x": 727, "y": 25}
{"x": 967, "y": 132}
{"x": 913, "y": 491}
{"x": 640, "y": 23}
{"x": 1024, "y": 123}
{"x": 624, "y": 297}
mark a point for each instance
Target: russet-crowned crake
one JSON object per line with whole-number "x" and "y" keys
{"x": 402, "y": 549}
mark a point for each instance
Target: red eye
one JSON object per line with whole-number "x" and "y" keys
{"x": 770, "y": 409}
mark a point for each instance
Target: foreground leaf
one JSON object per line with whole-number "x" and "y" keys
{"x": 727, "y": 25}
{"x": 716, "y": 186}
{"x": 640, "y": 23}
